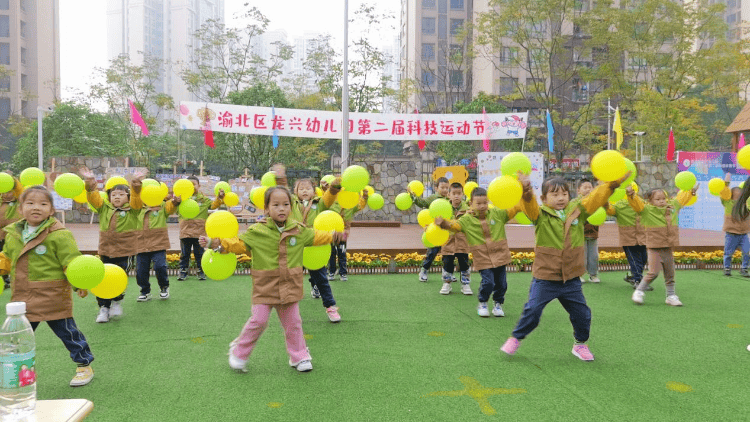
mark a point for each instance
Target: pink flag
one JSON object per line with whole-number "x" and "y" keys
{"x": 208, "y": 134}
{"x": 742, "y": 142}
{"x": 486, "y": 136}
{"x": 136, "y": 118}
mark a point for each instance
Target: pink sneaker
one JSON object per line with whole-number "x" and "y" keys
{"x": 582, "y": 352}
{"x": 333, "y": 314}
{"x": 510, "y": 346}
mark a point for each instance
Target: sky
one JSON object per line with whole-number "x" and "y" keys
{"x": 83, "y": 29}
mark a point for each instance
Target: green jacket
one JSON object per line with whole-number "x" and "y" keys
{"x": 9, "y": 212}
{"x": 486, "y": 238}
{"x": 425, "y": 202}
{"x": 661, "y": 223}
{"x": 306, "y": 214}
{"x": 153, "y": 234}
{"x": 118, "y": 227}
{"x": 196, "y": 227}
{"x": 37, "y": 269}
{"x": 629, "y": 225}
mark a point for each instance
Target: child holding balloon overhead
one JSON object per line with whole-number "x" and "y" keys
{"x": 9, "y": 210}
{"x": 632, "y": 239}
{"x": 118, "y": 230}
{"x": 153, "y": 242}
{"x": 37, "y": 251}
{"x": 191, "y": 228}
{"x": 659, "y": 218}
{"x": 590, "y": 236}
{"x": 735, "y": 230}
{"x": 277, "y": 247}
{"x": 338, "y": 251}
{"x": 559, "y": 262}
{"x": 456, "y": 248}
{"x": 442, "y": 186}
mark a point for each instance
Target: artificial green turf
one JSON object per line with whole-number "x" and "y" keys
{"x": 399, "y": 341}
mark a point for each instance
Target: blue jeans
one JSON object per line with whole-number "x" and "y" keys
{"x": 143, "y": 265}
{"x": 429, "y": 257}
{"x": 185, "y": 245}
{"x": 121, "y": 262}
{"x": 72, "y": 338}
{"x": 571, "y": 298}
{"x": 731, "y": 243}
{"x": 493, "y": 281}
{"x": 337, "y": 252}
{"x": 319, "y": 278}
{"x": 463, "y": 262}
{"x": 637, "y": 258}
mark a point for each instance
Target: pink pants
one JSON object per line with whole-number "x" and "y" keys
{"x": 290, "y": 321}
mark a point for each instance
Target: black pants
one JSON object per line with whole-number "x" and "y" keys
{"x": 121, "y": 262}
{"x": 73, "y": 339}
{"x": 6, "y": 278}
{"x": 463, "y": 262}
{"x": 186, "y": 245}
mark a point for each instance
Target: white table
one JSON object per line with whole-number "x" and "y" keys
{"x": 70, "y": 410}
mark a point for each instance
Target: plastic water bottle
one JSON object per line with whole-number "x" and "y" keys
{"x": 17, "y": 357}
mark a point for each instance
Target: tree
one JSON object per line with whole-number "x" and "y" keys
{"x": 73, "y": 130}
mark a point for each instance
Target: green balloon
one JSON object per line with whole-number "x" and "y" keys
{"x": 617, "y": 195}
{"x": 355, "y": 178}
{"x": 218, "y": 266}
{"x": 685, "y": 180}
{"x": 85, "y": 272}
{"x": 441, "y": 207}
{"x": 403, "y": 201}
{"x": 521, "y": 218}
{"x": 6, "y": 183}
{"x": 268, "y": 179}
{"x": 222, "y": 185}
{"x": 513, "y": 162}
{"x": 426, "y": 242}
{"x": 375, "y": 201}
{"x": 150, "y": 182}
{"x": 598, "y": 217}
{"x": 68, "y": 185}
{"x": 189, "y": 209}
{"x": 328, "y": 178}
{"x": 633, "y": 173}
{"x": 32, "y": 176}
{"x": 316, "y": 257}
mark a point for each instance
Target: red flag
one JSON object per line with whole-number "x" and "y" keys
{"x": 208, "y": 134}
{"x": 421, "y": 143}
{"x": 136, "y": 118}
{"x": 741, "y": 143}
{"x": 670, "y": 146}
{"x": 486, "y": 136}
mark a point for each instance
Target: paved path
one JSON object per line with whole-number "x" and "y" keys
{"x": 408, "y": 238}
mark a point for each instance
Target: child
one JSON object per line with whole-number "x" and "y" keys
{"x": 559, "y": 262}
{"x": 442, "y": 186}
{"x": 153, "y": 242}
{"x": 193, "y": 228}
{"x": 37, "y": 250}
{"x": 632, "y": 239}
{"x": 276, "y": 246}
{"x": 9, "y": 214}
{"x": 590, "y": 236}
{"x": 485, "y": 232}
{"x": 659, "y": 218}
{"x": 118, "y": 231}
{"x": 305, "y": 207}
{"x": 736, "y": 230}
{"x": 338, "y": 251}
{"x": 456, "y": 247}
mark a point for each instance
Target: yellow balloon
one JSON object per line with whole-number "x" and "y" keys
{"x": 152, "y": 195}
{"x": 114, "y": 181}
{"x": 222, "y": 224}
{"x": 347, "y": 200}
{"x": 436, "y": 235}
{"x": 114, "y": 283}
{"x": 318, "y": 191}
{"x": 469, "y": 187}
{"x": 635, "y": 187}
{"x": 424, "y": 218}
{"x": 329, "y": 220}
{"x": 258, "y": 196}
{"x": 164, "y": 189}
{"x": 417, "y": 188}
{"x": 370, "y": 190}
{"x": 505, "y": 192}
{"x": 81, "y": 198}
{"x": 183, "y": 188}
{"x": 608, "y": 165}
{"x": 692, "y": 200}
{"x": 716, "y": 185}
{"x": 743, "y": 157}
{"x": 231, "y": 199}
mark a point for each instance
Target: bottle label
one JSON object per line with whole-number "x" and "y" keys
{"x": 18, "y": 369}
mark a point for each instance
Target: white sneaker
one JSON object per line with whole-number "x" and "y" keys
{"x": 446, "y": 289}
{"x": 84, "y": 375}
{"x": 239, "y": 365}
{"x": 145, "y": 297}
{"x": 164, "y": 294}
{"x": 422, "y": 275}
{"x": 303, "y": 366}
{"x": 482, "y": 310}
{"x": 638, "y": 296}
{"x": 497, "y": 310}
{"x": 673, "y": 300}
{"x": 331, "y": 276}
{"x": 466, "y": 289}
{"x": 594, "y": 279}
{"x": 115, "y": 310}
{"x": 103, "y": 315}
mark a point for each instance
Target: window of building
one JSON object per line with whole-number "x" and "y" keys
{"x": 4, "y": 4}
{"x": 4, "y": 108}
{"x": 5, "y": 83}
{"x": 23, "y": 29}
{"x": 457, "y": 78}
{"x": 508, "y": 55}
{"x": 537, "y": 57}
{"x": 23, "y": 55}
{"x": 456, "y": 25}
{"x": 4, "y": 26}
{"x": 24, "y": 81}
{"x": 636, "y": 61}
{"x": 507, "y": 85}
{"x": 4, "y": 53}
{"x": 23, "y": 5}
{"x": 456, "y": 53}
{"x": 457, "y": 4}
{"x": 428, "y": 4}
{"x": 428, "y": 26}
{"x": 428, "y": 52}
{"x": 428, "y": 78}
{"x": 23, "y": 107}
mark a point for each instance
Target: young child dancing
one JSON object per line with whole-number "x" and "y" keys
{"x": 276, "y": 247}
{"x": 37, "y": 251}
{"x": 659, "y": 218}
{"x": 9, "y": 214}
{"x": 192, "y": 228}
{"x": 118, "y": 231}
{"x": 442, "y": 186}
{"x": 559, "y": 264}
{"x": 153, "y": 242}
{"x": 456, "y": 247}
{"x": 735, "y": 230}
{"x": 338, "y": 251}
{"x": 591, "y": 237}
{"x": 632, "y": 239}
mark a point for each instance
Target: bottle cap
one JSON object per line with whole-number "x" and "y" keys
{"x": 15, "y": 308}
